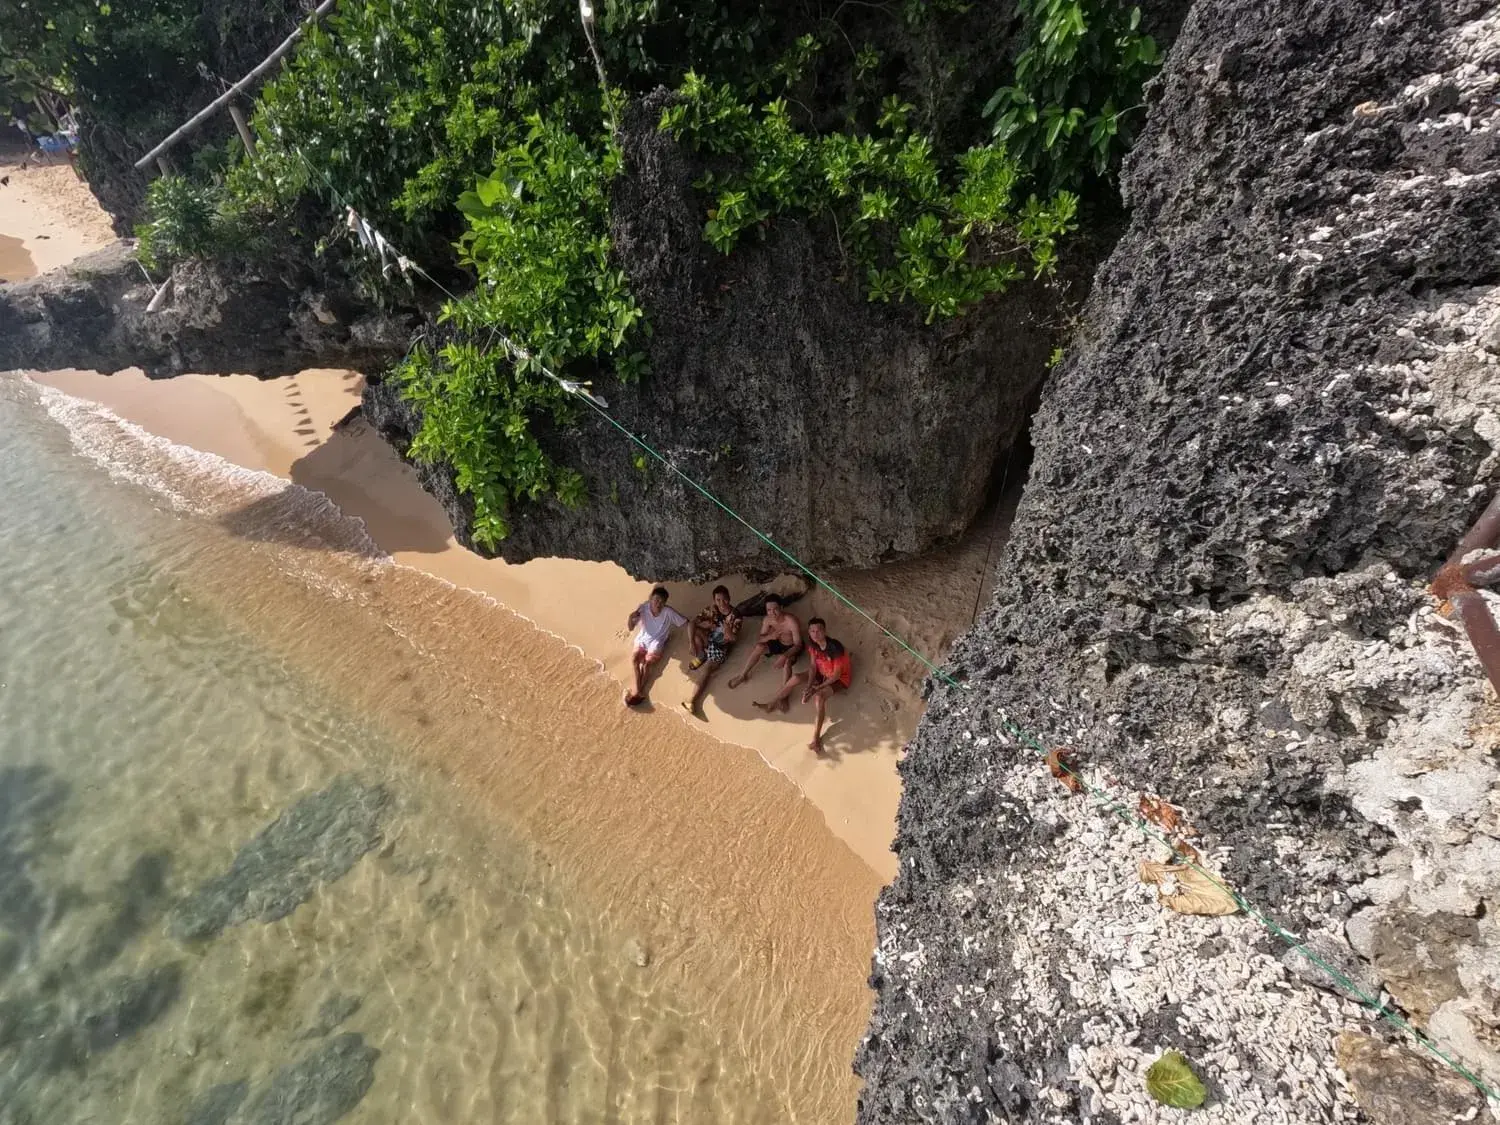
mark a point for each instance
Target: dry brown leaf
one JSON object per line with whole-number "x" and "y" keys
{"x": 1186, "y": 889}
{"x": 1160, "y": 813}
{"x": 1165, "y": 816}
{"x": 1186, "y": 852}
{"x": 1061, "y": 765}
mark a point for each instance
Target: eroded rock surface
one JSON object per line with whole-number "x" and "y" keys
{"x": 1397, "y": 1086}
{"x": 1277, "y": 419}
{"x": 267, "y": 318}
{"x": 320, "y": 1088}
{"x": 850, "y": 431}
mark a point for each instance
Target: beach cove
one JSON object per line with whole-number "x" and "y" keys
{"x": 752, "y": 888}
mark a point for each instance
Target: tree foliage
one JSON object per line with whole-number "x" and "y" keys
{"x": 475, "y": 134}
{"x": 915, "y": 225}
{"x": 1070, "y": 110}
{"x": 536, "y": 242}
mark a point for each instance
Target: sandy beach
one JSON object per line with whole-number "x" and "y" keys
{"x": 290, "y": 427}
{"x": 753, "y": 884}
{"x": 287, "y": 427}
{"x": 47, "y": 218}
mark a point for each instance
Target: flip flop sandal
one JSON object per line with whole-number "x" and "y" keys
{"x": 695, "y": 664}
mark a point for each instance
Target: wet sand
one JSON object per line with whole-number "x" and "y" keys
{"x": 725, "y": 872}
{"x": 286, "y": 427}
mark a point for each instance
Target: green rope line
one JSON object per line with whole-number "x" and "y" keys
{"x": 768, "y": 541}
{"x": 1375, "y": 1007}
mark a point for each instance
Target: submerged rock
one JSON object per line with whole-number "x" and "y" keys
{"x": 333, "y": 1011}
{"x": 320, "y": 1088}
{"x": 30, "y": 797}
{"x": 316, "y": 841}
{"x": 43, "y": 1036}
{"x": 123, "y": 1006}
{"x": 216, "y": 1105}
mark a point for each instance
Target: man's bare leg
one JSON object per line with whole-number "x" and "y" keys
{"x": 786, "y": 663}
{"x": 778, "y": 702}
{"x": 701, "y": 690}
{"x": 755, "y": 654}
{"x": 649, "y": 667}
{"x": 821, "y": 699}
{"x": 633, "y": 694}
{"x": 642, "y": 667}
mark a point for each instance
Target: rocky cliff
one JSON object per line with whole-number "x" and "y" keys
{"x": 133, "y": 90}
{"x": 851, "y": 432}
{"x": 265, "y": 317}
{"x": 1278, "y": 417}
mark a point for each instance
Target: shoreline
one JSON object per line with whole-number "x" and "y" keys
{"x": 286, "y": 427}
{"x": 721, "y": 868}
{"x": 753, "y": 887}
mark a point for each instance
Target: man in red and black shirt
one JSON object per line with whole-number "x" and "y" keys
{"x": 831, "y": 672}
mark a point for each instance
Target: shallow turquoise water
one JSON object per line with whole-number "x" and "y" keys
{"x": 223, "y": 899}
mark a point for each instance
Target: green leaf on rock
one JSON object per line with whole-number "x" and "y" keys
{"x": 1171, "y": 1081}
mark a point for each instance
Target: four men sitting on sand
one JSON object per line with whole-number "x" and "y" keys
{"x": 713, "y": 633}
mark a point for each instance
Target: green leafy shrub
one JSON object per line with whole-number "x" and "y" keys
{"x": 397, "y": 104}
{"x": 920, "y": 229}
{"x": 392, "y": 107}
{"x": 477, "y": 413}
{"x": 189, "y": 219}
{"x": 538, "y": 243}
{"x": 1068, "y": 112}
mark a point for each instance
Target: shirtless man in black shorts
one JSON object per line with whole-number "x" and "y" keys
{"x": 780, "y": 638}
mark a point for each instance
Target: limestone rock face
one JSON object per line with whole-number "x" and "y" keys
{"x": 269, "y": 318}
{"x": 1277, "y": 418}
{"x": 849, "y": 431}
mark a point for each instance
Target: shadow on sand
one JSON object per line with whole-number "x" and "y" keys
{"x": 367, "y": 482}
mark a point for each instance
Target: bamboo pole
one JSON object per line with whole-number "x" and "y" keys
{"x": 218, "y": 103}
{"x": 243, "y": 127}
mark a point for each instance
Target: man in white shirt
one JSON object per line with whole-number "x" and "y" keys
{"x": 653, "y": 622}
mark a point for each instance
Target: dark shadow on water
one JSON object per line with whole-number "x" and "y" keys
{"x": 142, "y": 896}
{"x": 42, "y": 1037}
{"x": 30, "y": 800}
